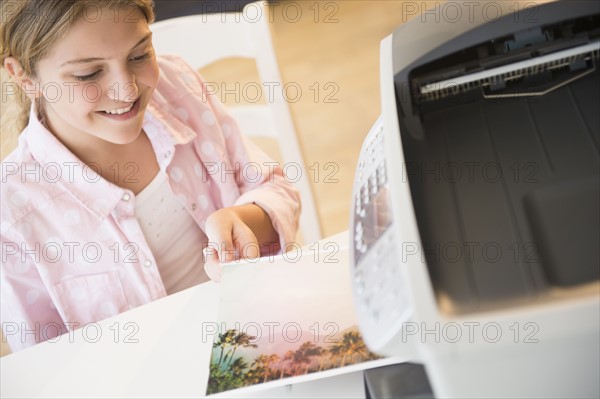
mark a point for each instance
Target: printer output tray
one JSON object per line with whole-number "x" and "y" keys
{"x": 506, "y": 194}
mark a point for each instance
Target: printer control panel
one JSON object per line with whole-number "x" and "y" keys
{"x": 370, "y": 197}
{"x": 377, "y": 283}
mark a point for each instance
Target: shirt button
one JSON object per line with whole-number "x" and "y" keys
{"x": 126, "y": 197}
{"x": 147, "y": 263}
{"x": 193, "y": 207}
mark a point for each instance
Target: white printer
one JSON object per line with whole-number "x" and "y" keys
{"x": 476, "y": 210}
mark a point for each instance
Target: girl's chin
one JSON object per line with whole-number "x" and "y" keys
{"x": 125, "y": 138}
{"x": 125, "y": 134}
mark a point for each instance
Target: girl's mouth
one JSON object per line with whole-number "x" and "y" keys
{"x": 122, "y": 114}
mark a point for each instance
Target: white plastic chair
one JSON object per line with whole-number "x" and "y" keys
{"x": 245, "y": 35}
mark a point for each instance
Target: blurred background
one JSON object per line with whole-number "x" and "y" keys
{"x": 330, "y": 49}
{"x": 340, "y": 45}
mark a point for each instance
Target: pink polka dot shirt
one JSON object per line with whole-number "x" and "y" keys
{"x": 72, "y": 249}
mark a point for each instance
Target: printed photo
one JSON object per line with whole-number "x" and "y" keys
{"x": 298, "y": 319}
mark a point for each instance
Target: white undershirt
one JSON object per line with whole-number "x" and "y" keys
{"x": 173, "y": 236}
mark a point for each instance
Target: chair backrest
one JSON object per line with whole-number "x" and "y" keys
{"x": 246, "y": 35}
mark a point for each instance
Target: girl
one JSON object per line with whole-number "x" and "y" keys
{"x": 126, "y": 171}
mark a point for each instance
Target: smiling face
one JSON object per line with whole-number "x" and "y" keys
{"x": 96, "y": 82}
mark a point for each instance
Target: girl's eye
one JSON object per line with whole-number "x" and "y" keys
{"x": 86, "y": 77}
{"x": 141, "y": 57}
{"x": 91, "y": 76}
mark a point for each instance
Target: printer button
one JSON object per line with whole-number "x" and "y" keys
{"x": 362, "y": 248}
{"x": 359, "y": 227}
{"x": 364, "y": 190}
{"x": 373, "y": 184}
{"x": 381, "y": 176}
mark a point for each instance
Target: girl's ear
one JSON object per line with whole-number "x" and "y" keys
{"x": 31, "y": 87}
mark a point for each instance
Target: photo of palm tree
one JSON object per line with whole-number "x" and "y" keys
{"x": 280, "y": 320}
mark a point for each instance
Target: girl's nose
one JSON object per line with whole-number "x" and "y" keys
{"x": 124, "y": 89}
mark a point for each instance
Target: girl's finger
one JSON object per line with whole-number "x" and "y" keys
{"x": 212, "y": 266}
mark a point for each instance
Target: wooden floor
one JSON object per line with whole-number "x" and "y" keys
{"x": 330, "y": 50}
{"x": 338, "y": 49}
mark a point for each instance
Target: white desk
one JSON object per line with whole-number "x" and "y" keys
{"x": 169, "y": 359}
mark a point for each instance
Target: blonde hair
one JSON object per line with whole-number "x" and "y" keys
{"x": 28, "y": 30}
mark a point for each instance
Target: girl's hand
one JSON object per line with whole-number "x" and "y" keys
{"x": 236, "y": 233}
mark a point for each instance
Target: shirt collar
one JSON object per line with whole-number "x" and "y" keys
{"x": 94, "y": 192}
